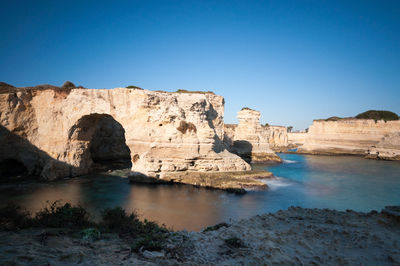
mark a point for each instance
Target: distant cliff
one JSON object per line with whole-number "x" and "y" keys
{"x": 353, "y": 136}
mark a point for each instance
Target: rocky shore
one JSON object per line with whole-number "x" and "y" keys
{"x": 236, "y": 182}
{"x": 296, "y": 236}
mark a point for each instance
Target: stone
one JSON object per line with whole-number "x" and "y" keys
{"x": 392, "y": 211}
{"x": 237, "y": 181}
{"x": 387, "y": 149}
{"x": 153, "y": 254}
{"x": 250, "y": 139}
{"x": 365, "y": 137}
{"x": 95, "y": 129}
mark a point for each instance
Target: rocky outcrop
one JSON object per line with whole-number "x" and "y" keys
{"x": 78, "y": 130}
{"x": 297, "y": 138}
{"x": 387, "y": 149}
{"x": 236, "y": 182}
{"x": 351, "y": 136}
{"x": 278, "y": 137}
{"x": 296, "y": 236}
{"x": 250, "y": 139}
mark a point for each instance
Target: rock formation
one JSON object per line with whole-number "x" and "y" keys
{"x": 296, "y": 138}
{"x": 278, "y": 137}
{"x": 58, "y": 132}
{"x": 250, "y": 139}
{"x": 353, "y": 136}
{"x": 387, "y": 149}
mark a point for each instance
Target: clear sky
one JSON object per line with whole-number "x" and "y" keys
{"x": 294, "y": 61}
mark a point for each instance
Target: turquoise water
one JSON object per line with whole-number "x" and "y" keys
{"x": 338, "y": 182}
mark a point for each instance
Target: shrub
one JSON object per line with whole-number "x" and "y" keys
{"x": 58, "y": 215}
{"x": 147, "y": 235}
{"x": 149, "y": 242}
{"x": 133, "y": 87}
{"x": 13, "y": 217}
{"x": 333, "y": 118}
{"x": 90, "y": 234}
{"x": 187, "y": 91}
{"x": 68, "y": 84}
{"x": 378, "y": 115}
{"x": 117, "y": 220}
{"x": 216, "y": 227}
{"x": 247, "y": 108}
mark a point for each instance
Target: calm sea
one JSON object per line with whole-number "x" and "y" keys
{"x": 337, "y": 182}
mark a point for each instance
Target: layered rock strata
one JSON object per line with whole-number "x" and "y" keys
{"x": 73, "y": 131}
{"x": 387, "y": 149}
{"x": 296, "y": 138}
{"x": 352, "y": 136}
{"x": 250, "y": 139}
{"x": 278, "y": 137}
{"x": 236, "y": 182}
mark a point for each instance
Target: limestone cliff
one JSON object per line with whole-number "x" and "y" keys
{"x": 278, "y": 137}
{"x": 296, "y": 138}
{"x": 387, "y": 149}
{"x": 250, "y": 139}
{"x": 350, "y": 136}
{"x": 78, "y": 130}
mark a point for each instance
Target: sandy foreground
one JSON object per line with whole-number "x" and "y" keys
{"x": 295, "y": 236}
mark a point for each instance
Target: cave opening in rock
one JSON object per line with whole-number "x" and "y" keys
{"x": 12, "y": 168}
{"x": 103, "y": 142}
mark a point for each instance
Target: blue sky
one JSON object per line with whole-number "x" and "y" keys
{"x": 295, "y": 61}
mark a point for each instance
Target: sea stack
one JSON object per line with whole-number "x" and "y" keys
{"x": 249, "y": 138}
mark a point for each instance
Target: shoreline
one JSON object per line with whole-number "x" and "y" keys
{"x": 293, "y": 236}
{"x": 234, "y": 182}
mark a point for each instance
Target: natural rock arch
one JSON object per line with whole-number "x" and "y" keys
{"x": 97, "y": 142}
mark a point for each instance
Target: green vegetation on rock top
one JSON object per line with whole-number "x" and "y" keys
{"x": 186, "y": 91}
{"x": 378, "y": 115}
{"x": 247, "y": 108}
{"x": 133, "y": 87}
{"x": 370, "y": 114}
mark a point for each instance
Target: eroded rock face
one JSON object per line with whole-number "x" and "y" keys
{"x": 81, "y": 128}
{"x": 296, "y": 138}
{"x": 387, "y": 149}
{"x": 352, "y": 136}
{"x": 278, "y": 137}
{"x": 250, "y": 139}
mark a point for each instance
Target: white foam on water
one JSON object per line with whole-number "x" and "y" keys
{"x": 277, "y": 182}
{"x": 289, "y": 161}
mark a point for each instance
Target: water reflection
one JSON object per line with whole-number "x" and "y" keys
{"x": 340, "y": 182}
